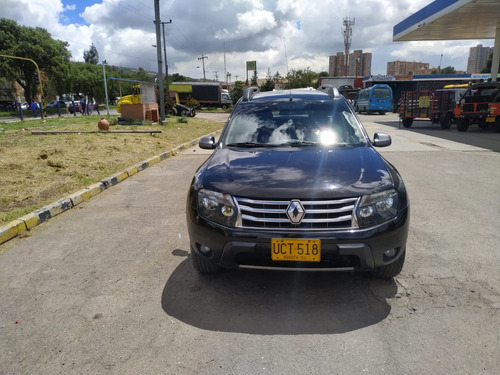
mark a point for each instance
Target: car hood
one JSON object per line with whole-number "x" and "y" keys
{"x": 296, "y": 173}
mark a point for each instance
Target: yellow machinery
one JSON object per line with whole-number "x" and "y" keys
{"x": 135, "y": 98}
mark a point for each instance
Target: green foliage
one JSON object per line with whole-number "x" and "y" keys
{"x": 192, "y": 102}
{"x": 448, "y": 70}
{"x": 51, "y": 56}
{"x": 236, "y": 92}
{"x": 302, "y": 78}
{"x": 489, "y": 63}
{"x": 268, "y": 85}
{"x": 91, "y": 56}
{"x": 176, "y": 77}
{"x": 254, "y": 78}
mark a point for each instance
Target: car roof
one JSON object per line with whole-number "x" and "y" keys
{"x": 253, "y": 94}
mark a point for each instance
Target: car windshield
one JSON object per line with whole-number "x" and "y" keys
{"x": 298, "y": 123}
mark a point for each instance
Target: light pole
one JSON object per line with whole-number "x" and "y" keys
{"x": 105, "y": 85}
{"x": 165, "y": 54}
{"x": 158, "y": 53}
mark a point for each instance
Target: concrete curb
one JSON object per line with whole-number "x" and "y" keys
{"x": 26, "y": 222}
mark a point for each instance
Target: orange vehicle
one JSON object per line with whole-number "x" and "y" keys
{"x": 480, "y": 105}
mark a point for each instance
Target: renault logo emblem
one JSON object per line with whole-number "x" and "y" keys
{"x": 295, "y": 211}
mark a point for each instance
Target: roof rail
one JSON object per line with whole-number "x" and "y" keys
{"x": 330, "y": 90}
{"x": 249, "y": 93}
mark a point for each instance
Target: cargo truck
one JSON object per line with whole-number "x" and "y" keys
{"x": 208, "y": 94}
{"x": 480, "y": 105}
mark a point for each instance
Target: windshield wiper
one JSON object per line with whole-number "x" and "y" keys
{"x": 246, "y": 144}
{"x": 300, "y": 143}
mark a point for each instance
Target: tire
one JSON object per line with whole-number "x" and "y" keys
{"x": 482, "y": 123}
{"x": 462, "y": 124}
{"x": 172, "y": 112}
{"x": 445, "y": 122}
{"x": 202, "y": 264}
{"x": 382, "y": 112}
{"x": 497, "y": 124}
{"x": 390, "y": 270}
{"x": 407, "y": 122}
{"x": 192, "y": 113}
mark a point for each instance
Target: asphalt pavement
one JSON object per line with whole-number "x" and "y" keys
{"x": 107, "y": 287}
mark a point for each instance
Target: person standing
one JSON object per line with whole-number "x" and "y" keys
{"x": 33, "y": 107}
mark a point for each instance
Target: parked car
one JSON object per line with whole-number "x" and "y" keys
{"x": 53, "y": 104}
{"x": 77, "y": 108}
{"x": 295, "y": 183}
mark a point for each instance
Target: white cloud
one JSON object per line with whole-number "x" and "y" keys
{"x": 242, "y": 30}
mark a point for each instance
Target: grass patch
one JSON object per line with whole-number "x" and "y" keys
{"x": 36, "y": 170}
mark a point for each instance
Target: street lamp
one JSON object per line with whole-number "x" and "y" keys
{"x": 105, "y": 85}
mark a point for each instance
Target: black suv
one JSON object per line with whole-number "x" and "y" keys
{"x": 294, "y": 183}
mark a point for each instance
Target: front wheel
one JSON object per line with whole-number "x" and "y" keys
{"x": 462, "y": 124}
{"x": 445, "y": 122}
{"x": 202, "y": 264}
{"x": 407, "y": 122}
{"x": 390, "y": 270}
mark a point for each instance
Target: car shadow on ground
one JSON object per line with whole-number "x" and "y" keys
{"x": 270, "y": 303}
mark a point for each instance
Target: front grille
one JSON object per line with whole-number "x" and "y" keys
{"x": 478, "y": 107}
{"x": 319, "y": 214}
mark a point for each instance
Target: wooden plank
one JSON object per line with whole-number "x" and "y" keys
{"x": 45, "y": 132}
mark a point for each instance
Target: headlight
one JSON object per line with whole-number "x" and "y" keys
{"x": 377, "y": 208}
{"x": 218, "y": 207}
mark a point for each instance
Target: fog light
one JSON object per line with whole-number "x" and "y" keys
{"x": 205, "y": 250}
{"x": 390, "y": 253}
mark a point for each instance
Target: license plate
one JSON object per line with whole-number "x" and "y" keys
{"x": 295, "y": 250}
{"x": 490, "y": 119}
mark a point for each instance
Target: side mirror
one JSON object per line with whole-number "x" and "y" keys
{"x": 207, "y": 143}
{"x": 381, "y": 140}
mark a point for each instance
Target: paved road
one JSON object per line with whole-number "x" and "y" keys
{"x": 108, "y": 287}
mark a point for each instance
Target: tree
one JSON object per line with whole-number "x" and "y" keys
{"x": 448, "y": 70}
{"x": 302, "y": 78}
{"x": 51, "y": 56}
{"x": 236, "y": 92}
{"x": 489, "y": 62}
{"x": 91, "y": 56}
{"x": 268, "y": 85}
{"x": 254, "y": 78}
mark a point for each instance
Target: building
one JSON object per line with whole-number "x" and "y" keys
{"x": 397, "y": 67}
{"x": 336, "y": 65}
{"x": 359, "y": 64}
{"x": 478, "y": 56}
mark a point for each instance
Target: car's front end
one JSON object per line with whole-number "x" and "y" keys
{"x": 297, "y": 204}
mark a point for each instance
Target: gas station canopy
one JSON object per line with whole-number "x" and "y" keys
{"x": 451, "y": 20}
{"x": 454, "y": 20}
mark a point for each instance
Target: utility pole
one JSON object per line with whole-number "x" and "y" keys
{"x": 105, "y": 86}
{"x": 160, "y": 64}
{"x": 347, "y": 32}
{"x": 202, "y": 58}
{"x": 165, "y": 54}
{"x": 216, "y": 74}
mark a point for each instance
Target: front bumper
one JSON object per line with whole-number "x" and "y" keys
{"x": 359, "y": 249}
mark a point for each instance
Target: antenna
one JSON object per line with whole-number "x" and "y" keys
{"x": 347, "y": 32}
{"x": 286, "y": 57}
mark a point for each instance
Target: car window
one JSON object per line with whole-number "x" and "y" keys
{"x": 300, "y": 122}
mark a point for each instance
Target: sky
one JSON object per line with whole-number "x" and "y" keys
{"x": 279, "y": 35}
